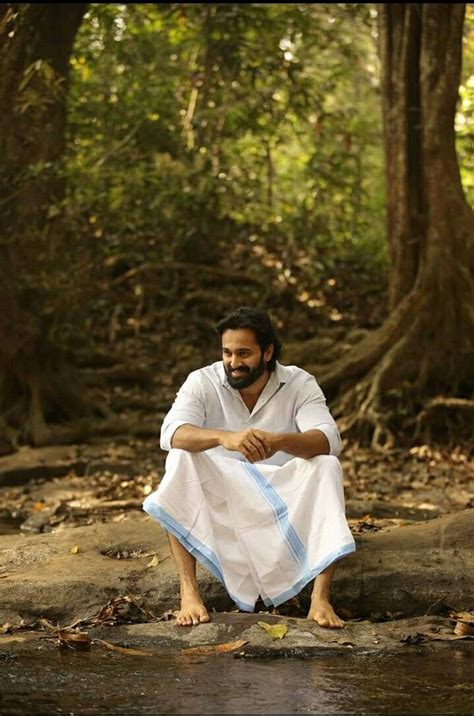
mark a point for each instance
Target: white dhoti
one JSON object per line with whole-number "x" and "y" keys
{"x": 263, "y": 530}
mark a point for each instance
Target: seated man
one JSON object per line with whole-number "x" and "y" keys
{"x": 252, "y": 485}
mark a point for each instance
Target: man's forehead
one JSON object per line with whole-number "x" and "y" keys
{"x": 239, "y": 338}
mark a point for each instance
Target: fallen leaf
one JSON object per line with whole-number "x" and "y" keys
{"x": 463, "y": 628}
{"x": 449, "y": 637}
{"x": 466, "y": 617}
{"x": 276, "y": 631}
{"x": 215, "y": 648}
{"x": 74, "y": 640}
{"x": 46, "y": 623}
{"x": 123, "y": 649}
{"x": 166, "y": 616}
{"x": 75, "y": 549}
{"x": 153, "y": 562}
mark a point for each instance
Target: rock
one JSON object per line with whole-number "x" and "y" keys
{"x": 242, "y": 635}
{"x": 70, "y": 574}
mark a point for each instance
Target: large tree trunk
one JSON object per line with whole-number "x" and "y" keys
{"x": 425, "y": 349}
{"x": 35, "y": 46}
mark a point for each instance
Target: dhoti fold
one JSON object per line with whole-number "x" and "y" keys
{"x": 263, "y": 530}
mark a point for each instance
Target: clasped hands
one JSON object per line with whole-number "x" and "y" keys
{"x": 252, "y": 443}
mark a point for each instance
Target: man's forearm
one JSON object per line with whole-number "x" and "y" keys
{"x": 305, "y": 445}
{"x": 189, "y": 437}
{"x": 254, "y": 444}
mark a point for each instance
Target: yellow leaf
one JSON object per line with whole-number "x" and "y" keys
{"x": 153, "y": 562}
{"x": 276, "y": 631}
{"x": 75, "y": 549}
{"x": 215, "y": 648}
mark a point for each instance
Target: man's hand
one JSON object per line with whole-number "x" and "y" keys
{"x": 253, "y": 444}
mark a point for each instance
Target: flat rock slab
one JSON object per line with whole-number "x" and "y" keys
{"x": 70, "y": 574}
{"x": 243, "y": 636}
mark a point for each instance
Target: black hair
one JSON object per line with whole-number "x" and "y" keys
{"x": 260, "y": 323}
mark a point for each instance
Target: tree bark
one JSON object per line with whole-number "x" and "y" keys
{"x": 426, "y": 347}
{"x": 36, "y": 41}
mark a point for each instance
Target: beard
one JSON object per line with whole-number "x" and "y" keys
{"x": 251, "y": 375}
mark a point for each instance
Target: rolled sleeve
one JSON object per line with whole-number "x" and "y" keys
{"x": 313, "y": 414}
{"x": 188, "y": 409}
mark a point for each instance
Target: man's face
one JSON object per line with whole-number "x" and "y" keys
{"x": 244, "y": 362}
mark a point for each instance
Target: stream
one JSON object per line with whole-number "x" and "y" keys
{"x": 104, "y": 682}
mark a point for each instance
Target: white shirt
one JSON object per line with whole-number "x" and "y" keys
{"x": 290, "y": 402}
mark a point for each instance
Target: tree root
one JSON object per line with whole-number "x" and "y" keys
{"x": 440, "y": 414}
{"x": 361, "y": 406}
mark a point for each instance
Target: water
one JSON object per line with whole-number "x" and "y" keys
{"x": 104, "y": 682}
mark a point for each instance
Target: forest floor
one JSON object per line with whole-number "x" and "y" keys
{"x": 137, "y": 366}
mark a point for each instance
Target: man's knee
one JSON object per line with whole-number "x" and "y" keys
{"x": 328, "y": 464}
{"x": 179, "y": 457}
{"x": 329, "y": 461}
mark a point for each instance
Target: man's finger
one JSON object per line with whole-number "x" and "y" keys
{"x": 260, "y": 435}
{"x": 257, "y": 446}
{"x": 259, "y": 440}
{"x": 256, "y": 450}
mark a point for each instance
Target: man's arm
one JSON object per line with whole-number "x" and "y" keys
{"x": 306, "y": 445}
{"x": 252, "y": 444}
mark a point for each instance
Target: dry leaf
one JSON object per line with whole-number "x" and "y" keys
{"x": 122, "y": 649}
{"x": 215, "y": 648}
{"x": 46, "y": 623}
{"x": 449, "y": 637}
{"x": 276, "y": 631}
{"x": 74, "y": 640}
{"x": 153, "y": 562}
{"x": 463, "y": 628}
{"x": 75, "y": 549}
{"x": 466, "y": 617}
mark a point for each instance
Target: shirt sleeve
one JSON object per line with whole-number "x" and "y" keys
{"x": 188, "y": 408}
{"x": 313, "y": 413}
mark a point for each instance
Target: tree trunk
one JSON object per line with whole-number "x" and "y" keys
{"x": 35, "y": 45}
{"x": 425, "y": 348}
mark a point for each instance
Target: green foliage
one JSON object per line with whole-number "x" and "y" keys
{"x": 235, "y": 135}
{"x": 213, "y": 129}
{"x": 465, "y": 114}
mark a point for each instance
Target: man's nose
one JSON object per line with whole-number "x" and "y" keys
{"x": 235, "y": 362}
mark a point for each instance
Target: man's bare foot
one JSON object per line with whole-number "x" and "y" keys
{"x": 192, "y": 612}
{"x": 322, "y": 613}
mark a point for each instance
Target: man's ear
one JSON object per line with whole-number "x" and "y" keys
{"x": 268, "y": 352}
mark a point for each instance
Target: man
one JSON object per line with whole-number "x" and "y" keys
{"x": 252, "y": 486}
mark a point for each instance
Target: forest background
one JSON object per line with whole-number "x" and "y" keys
{"x": 163, "y": 164}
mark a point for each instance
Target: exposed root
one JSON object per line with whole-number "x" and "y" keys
{"x": 362, "y": 405}
{"x": 443, "y": 415}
